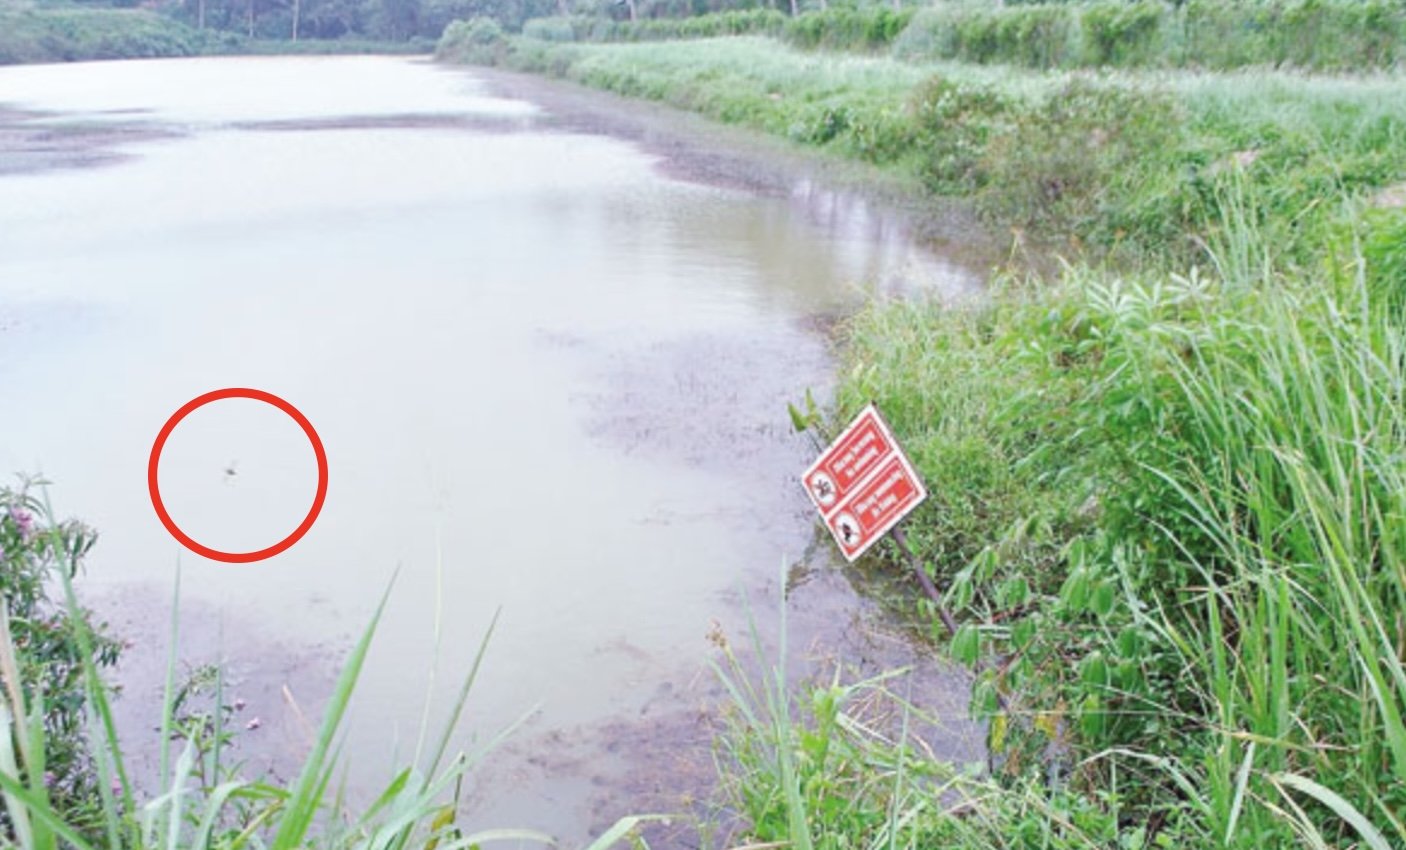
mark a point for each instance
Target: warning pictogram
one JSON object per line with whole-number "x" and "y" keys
{"x": 863, "y": 484}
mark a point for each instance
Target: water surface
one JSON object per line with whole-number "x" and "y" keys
{"x": 550, "y": 378}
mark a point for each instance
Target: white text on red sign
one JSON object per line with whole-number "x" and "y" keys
{"x": 863, "y": 484}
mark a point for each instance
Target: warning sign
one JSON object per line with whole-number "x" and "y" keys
{"x": 863, "y": 484}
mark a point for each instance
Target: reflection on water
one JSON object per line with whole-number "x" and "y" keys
{"x": 500, "y": 337}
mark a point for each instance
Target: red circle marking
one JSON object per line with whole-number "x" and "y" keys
{"x": 215, "y": 554}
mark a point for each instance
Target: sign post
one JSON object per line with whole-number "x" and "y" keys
{"x": 864, "y": 485}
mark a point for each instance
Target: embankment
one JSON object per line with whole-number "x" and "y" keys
{"x": 1166, "y": 483}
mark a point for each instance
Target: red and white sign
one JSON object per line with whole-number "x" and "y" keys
{"x": 863, "y": 484}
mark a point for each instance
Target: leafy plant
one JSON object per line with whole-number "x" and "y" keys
{"x": 49, "y": 671}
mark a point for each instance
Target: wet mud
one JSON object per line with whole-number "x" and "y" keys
{"x": 665, "y": 758}
{"x": 718, "y": 402}
{"x": 32, "y": 142}
{"x": 271, "y": 694}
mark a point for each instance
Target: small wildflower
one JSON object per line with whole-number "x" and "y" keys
{"x": 253, "y": 724}
{"x": 24, "y": 521}
{"x": 239, "y": 704}
{"x": 49, "y": 779}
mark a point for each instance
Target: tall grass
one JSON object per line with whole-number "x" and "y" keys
{"x": 1171, "y": 506}
{"x": 1306, "y": 34}
{"x": 1293, "y": 634}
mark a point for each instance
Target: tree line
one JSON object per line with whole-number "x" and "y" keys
{"x": 402, "y": 20}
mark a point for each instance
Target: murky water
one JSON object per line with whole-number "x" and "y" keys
{"x": 550, "y": 378}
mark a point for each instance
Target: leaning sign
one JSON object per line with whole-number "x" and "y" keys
{"x": 863, "y": 484}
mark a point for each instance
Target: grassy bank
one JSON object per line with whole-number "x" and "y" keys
{"x": 1166, "y": 503}
{"x": 1166, "y": 513}
{"x": 1167, "y": 491}
{"x": 871, "y": 28}
{"x": 1125, "y": 164}
{"x": 1214, "y": 34}
{"x": 1342, "y": 35}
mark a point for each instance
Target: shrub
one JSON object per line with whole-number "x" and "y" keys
{"x": 41, "y": 626}
{"x": 1071, "y": 161}
{"x": 550, "y": 29}
{"x": 1120, "y": 34}
{"x": 846, "y": 28}
{"x": 1312, "y": 34}
{"x": 954, "y": 124}
{"x": 49, "y": 35}
{"x": 1037, "y": 36}
{"x": 478, "y": 40}
{"x": 713, "y": 25}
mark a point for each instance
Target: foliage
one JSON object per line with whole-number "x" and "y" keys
{"x": 1166, "y": 506}
{"x": 558, "y": 28}
{"x": 474, "y": 40}
{"x": 605, "y": 29}
{"x": 66, "y": 35}
{"x": 870, "y": 28}
{"x": 1221, "y": 34}
{"x": 52, "y": 657}
{"x": 837, "y": 765}
{"x": 1383, "y": 237}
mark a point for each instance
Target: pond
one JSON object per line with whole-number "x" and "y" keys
{"x": 549, "y": 364}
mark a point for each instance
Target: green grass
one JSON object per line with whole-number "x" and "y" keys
{"x": 1170, "y": 505}
{"x": 1167, "y": 491}
{"x": 1307, "y": 34}
{"x": 1335, "y": 35}
{"x": 1129, "y": 164}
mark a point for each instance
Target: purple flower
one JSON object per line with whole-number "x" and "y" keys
{"x": 24, "y": 520}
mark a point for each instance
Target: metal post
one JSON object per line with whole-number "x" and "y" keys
{"x": 923, "y": 579}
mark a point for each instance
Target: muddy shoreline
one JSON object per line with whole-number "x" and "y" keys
{"x": 694, "y": 148}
